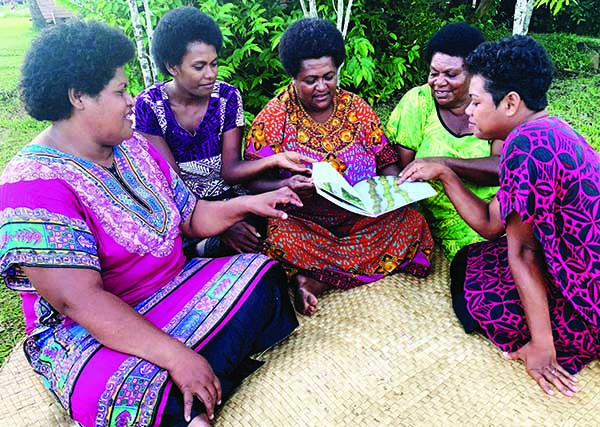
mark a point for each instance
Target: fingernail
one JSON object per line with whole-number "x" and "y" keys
{"x": 219, "y": 402}
{"x": 212, "y": 416}
{"x": 187, "y": 418}
{"x": 505, "y": 354}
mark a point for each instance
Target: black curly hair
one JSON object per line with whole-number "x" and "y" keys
{"x": 176, "y": 30}
{"x": 310, "y": 38}
{"x": 75, "y": 55}
{"x": 456, "y": 39}
{"x": 516, "y": 63}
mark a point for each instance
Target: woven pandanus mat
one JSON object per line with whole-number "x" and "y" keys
{"x": 386, "y": 354}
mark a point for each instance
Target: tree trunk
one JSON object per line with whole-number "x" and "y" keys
{"x": 523, "y": 11}
{"x": 311, "y": 11}
{"x": 150, "y": 34}
{"x": 138, "y": 34}
{"x": 343, "y": 16}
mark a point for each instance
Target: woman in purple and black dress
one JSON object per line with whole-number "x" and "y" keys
{"x": 536, "y": 291}
{"x": 194, "y": 117}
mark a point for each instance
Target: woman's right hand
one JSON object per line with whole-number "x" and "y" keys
{"x": 541, "y": 364}
{"x": 194, "y": 377}
{"x": 302, "y": 185}
{"x": 268, "y": 204}
{"x": 293, "y": 162}
{"x": 423, "y": 170}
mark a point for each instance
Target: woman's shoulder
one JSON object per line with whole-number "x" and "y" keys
{"x": 225, "y": 90}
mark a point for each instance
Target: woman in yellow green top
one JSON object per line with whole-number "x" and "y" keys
{"x": 430, "y": 122}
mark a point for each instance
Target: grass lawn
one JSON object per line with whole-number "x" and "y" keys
{"x": 16, "y": 128}
{"x": 575, "y": 99}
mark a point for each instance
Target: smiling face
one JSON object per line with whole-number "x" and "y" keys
{"x": 197, "y": 72}
{"x": 448, "y": 80}
{"x": 109, "y": 113}
{"x": 316, "y": 84}
{"x": 485, "y": 119}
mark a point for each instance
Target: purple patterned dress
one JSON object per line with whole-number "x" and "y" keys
{"x": 551, "y": 177}
{"x": 198, "y": 155}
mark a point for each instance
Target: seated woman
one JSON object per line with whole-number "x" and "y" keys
{"x": 193, "y": 117}
{"x": 430, "y": 122}
{"x": 120, "y": 327}
{"x": 535, "y": 292}
{"x": 323, "y": 245}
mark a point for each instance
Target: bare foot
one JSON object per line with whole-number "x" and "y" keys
{"x": 200, "y": 421}
{"x": 306, "y": 291}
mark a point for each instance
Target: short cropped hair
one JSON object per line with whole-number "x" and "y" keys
{"x": 310, "y": 38}
{"x": 516, "y": 63}
{"x": 457, "y": 39}
{"x": 75, "y": 55}
{"x": 176, "y": 30}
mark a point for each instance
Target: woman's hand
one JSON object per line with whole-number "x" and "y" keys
{"x": 302, "y": 185}
{"x": 266, "y": 204}
{"x": 541, "y": 364}
{"x": 243, "y": 237}
{"x": 293, "y": 161}
{"x": 194, "y": 377}
{"x": 423, "y": 170}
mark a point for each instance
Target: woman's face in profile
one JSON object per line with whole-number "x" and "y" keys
{"x": 485, "y": 119}
{"x": 316, "y": 84}
{"x": 448, "y": 80}
{"x": 110, "y": 113}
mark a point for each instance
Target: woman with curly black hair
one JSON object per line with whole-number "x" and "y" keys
{"x": 122, "y": 329}
{"x": 193, "y": 119}
{"x": 536, "y": 291}
{"x": 324, "y": 246}
{"x": 430, "y": 124}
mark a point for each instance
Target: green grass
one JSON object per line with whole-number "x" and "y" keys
{"x": 16, "y": 129}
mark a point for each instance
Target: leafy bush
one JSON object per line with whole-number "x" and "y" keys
{"x": 384, "y": 43}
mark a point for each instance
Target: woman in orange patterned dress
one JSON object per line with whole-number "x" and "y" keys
{"x": 322, "y": 245}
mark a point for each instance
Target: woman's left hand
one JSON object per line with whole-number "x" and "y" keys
{"x": 423, "y": 170}
{"x": 266, "y": 204}
{"x": 541, "y": 364}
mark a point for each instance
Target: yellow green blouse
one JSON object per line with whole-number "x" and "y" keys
{"x": 416, "y": 125}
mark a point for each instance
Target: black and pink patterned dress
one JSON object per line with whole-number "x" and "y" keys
{"x": 550, "y": 175}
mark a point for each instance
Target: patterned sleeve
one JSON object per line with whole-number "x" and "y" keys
{"x": 234, "y": 110}
{"x": 267, "y": 132}
{"x": 42, "y": 224}
{"x": 405, "y": 125}
{"x": 525, "y": 178}
{"x": 145, "y": 116}
{"x": 374, "y": 136}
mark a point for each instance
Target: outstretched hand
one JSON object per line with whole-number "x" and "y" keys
{"x": 294, "y": 162}
{"x": 195, "y": 378}
{"x": 423, "y": 170}
{"x": 542, "y": 366}
{"x": 266, "y": 204}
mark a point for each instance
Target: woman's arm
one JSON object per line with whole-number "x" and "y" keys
{"x": 213, "y": 218}
{"x": 79, "y": 295}
{"x": 481, "y": 170}
{"x": 483, "y": 217}
{"x": 527, "y": 267}
{"x": 406, "y": 155}
{"x": 235, "y": 170}
{"x": 391, "y": 170}
{"x": 161, "y": 145}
